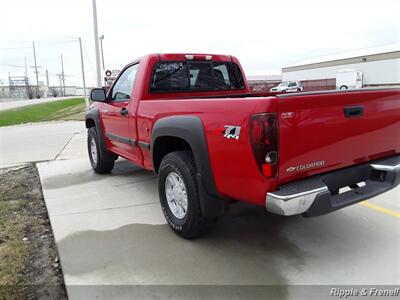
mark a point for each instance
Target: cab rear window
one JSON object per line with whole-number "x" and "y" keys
{"x": 182, "y": 76}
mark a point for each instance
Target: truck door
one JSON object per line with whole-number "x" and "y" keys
{"x": 116, "y": 116}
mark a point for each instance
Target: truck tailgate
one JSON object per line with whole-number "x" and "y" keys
{"x": 320, "y": 132}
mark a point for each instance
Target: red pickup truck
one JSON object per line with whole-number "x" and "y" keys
{"x": 192, "y": 120}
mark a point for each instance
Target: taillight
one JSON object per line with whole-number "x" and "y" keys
{"x": 264, "y": 140}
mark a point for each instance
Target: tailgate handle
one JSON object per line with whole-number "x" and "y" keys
{"x": 353, "y": 111}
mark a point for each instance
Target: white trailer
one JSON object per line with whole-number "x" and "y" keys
{"x": 349, "y": 79}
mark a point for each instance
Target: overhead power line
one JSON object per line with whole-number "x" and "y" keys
{"x": 89, "y": 61}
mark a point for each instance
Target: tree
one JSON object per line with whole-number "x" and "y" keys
{"x": 32, "y": 92}
{"x": 54, "y": 91}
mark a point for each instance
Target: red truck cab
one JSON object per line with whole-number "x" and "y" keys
{"x": 192, "y": 120}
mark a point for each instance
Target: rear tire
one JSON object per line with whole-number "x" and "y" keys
{"x": 180, "y": 202}
{"x": 101, "y": 161}
{"x": 344, "y": 87}
{"x": 298, "y": 90}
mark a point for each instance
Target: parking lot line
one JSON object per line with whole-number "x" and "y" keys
{"x": 380, "y": 209}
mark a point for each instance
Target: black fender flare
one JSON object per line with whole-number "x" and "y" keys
{"x": 190, "y": 129}
{"x": 93, "y": 114}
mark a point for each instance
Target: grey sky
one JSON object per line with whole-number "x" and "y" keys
{"x": 264, "y": 35}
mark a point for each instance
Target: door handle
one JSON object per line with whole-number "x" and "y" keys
{"x": 353, "y": 111}
{"x": 123, "y": 111}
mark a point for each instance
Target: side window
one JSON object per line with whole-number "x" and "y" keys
{"x": 292, "y": 84}
{"x": 123, "y": 87}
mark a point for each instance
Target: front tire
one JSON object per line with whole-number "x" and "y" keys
{"x": 99, "y": 159}
{"x": 179, "y": 195}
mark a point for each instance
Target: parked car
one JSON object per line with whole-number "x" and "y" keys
{"x": 349, "y": 79}
{"x": 288, "y": 86}
{"x": 192, "y": 120}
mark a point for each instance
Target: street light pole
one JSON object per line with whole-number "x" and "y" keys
{"x": 102, "y": 51}
{"x": 96, "y": 43}
{"x": 83, "y": 75}
{"x": 36, "y": 72}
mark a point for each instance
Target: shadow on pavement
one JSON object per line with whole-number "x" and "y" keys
{"x": 247, "y": 248}
{"x": 123, "y": 168}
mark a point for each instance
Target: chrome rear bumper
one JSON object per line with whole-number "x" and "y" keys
{"x": 318, "y": 195}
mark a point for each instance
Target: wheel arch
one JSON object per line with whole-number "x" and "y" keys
{"x": 167, "y": 144}
{"x": 187, "y": 132}
{"x": 89, "y": 122}
{"x": 92, "y": 119}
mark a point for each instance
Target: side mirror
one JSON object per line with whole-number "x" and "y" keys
{"x": 98, "y": 94}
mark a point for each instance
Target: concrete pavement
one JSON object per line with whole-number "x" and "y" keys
{"x": 36, "y": 142}
{"x": 111, "y": 234}
{"x": 114, "y": 242}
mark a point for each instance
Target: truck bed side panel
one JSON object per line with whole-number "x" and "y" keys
{"x": 232, "y": 161}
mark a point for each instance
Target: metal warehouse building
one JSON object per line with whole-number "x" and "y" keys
{"x": 380, "y": 67}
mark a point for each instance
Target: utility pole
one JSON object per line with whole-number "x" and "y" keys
{"x": 36, "y": 72}
{"x": 48, "y": 85}
{"x": 60, "y": 80}
{"x": 62, "y": 74}
{"x": 96, "y": 43}
{"x": 26, "y": 68}
{"x": 47, "y": 78}
{"x": 26, "y": 77}
{"x": 83, "y": 75}
{"x": 102, "y": 51}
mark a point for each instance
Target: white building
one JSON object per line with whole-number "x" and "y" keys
{"x": 380, "y": 65}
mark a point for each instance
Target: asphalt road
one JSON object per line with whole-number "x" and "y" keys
{"x": 114, "y": 242}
